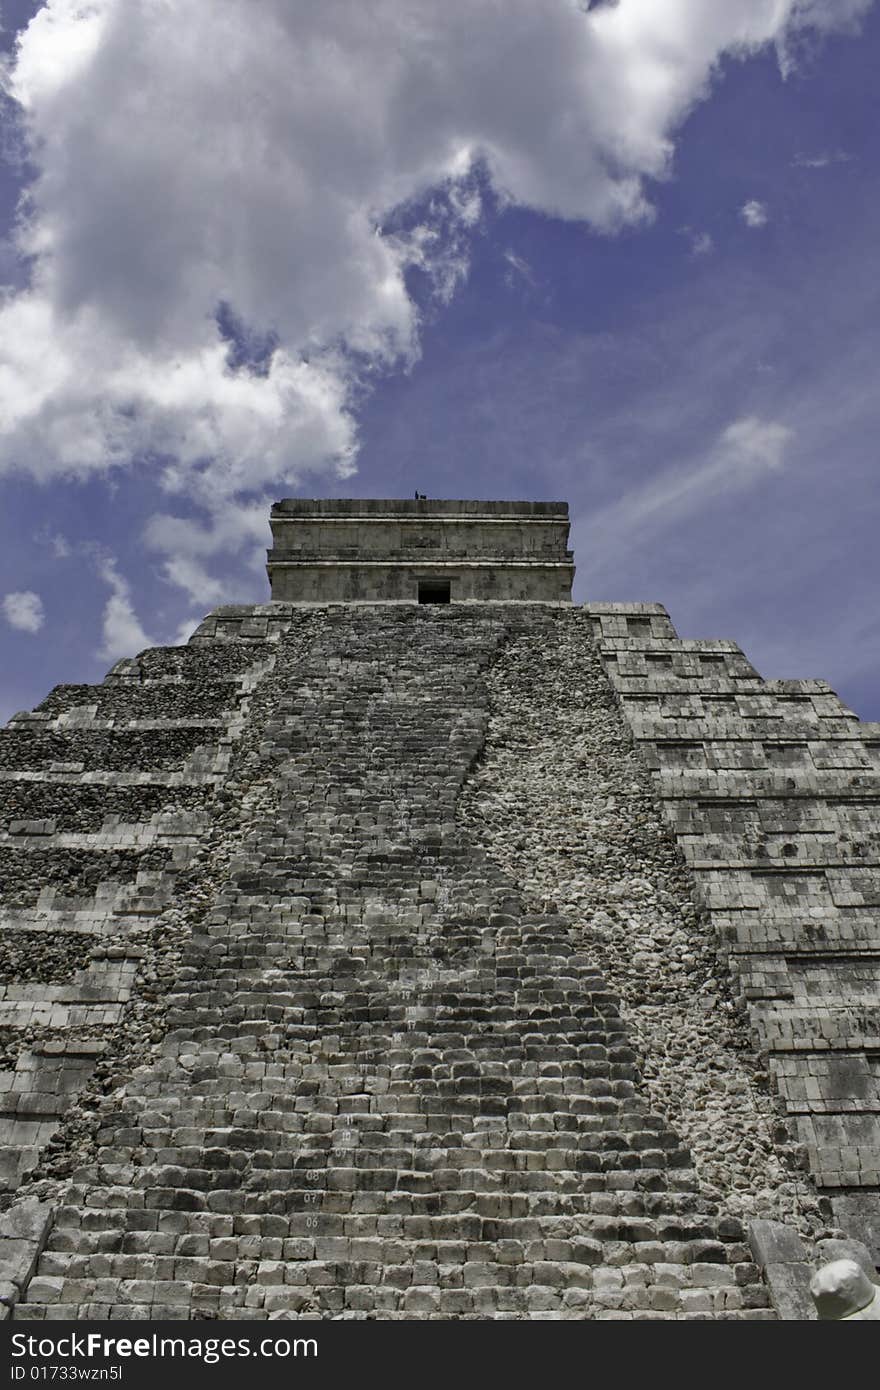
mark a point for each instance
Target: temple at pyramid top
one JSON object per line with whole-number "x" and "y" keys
{"x": 380, "y": 550}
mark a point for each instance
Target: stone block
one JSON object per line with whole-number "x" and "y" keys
{"x": 789, "y": 1286}
{"x": 773, "y": 1243}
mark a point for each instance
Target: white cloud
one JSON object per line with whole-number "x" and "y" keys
{"x": 253, "y": 159}
{"x": 745, "y": 451}
{"x": 815, "y": 17}
{"x": 438, "y": 244}
{"x": 122, "y": 634}
{"x": 56, "y": 541}
{"x": 520, "y": 271}
{"x": 754, "y": 214}
{"x": 188, "y": 547}
{"x": 24, "y": 610}
{"x": 828, "y": 15}
{"x": 701, "y": 243}
{"x": 751, "y": 446}
{"x": 184, "y": 632}
{"x": 820, "y": 161}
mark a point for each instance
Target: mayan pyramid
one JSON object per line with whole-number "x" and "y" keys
{"x": 419, "y": 945}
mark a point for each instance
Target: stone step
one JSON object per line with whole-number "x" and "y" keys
{"x": 190, "y": 662}
{"x": 78, "y": 1278}
{"x": 87, "y": 808}
{"x": 106, "y": 750}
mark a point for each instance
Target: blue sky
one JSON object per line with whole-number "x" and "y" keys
{"x": 624, "y": 257}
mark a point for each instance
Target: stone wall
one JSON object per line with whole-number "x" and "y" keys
{"x": 348, "y": 1050}
{"x": 303, "y": 581}
{"x": 772, "y": 789}
{"x": 354, "y": 551}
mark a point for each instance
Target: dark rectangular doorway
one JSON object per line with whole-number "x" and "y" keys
{"x": 434, "y": 591}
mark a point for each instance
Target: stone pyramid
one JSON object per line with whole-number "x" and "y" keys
{"x": 430, "y": 947}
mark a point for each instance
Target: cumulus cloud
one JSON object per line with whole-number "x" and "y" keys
{"x": 228, "y": 198}
{"x": 23, "y": 610}
{"x": 121, "y": 631}
{"x": 754, "y": 214}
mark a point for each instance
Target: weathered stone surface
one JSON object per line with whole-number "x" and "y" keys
{"x": 782, "y": 1258}
{"x": 773, "y": 1243}
{"x": 26, "y": 1221}
{"x": 356, "y": 550}
{"x": 859, "y": 1213}
{"x": 773, "y": 790}
{"x": 789, "y": 1286}
{"x": 563, "y": 800}
{"x": 388, "y": 1078}
{"x": 24, "y": 1228}
{"x": 844, "y": 1249}
{"x": 379, "y": 971}
{"x": 94, "y": 866}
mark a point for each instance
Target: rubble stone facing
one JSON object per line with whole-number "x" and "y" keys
{"x": 161, "y": 699}
{"x": 772, "y": 789}
{"x": 564, "y": 802}
{"x": 42, "y": 748}
{"x": 50, "y": 957}
{"x": 84, "y": 807}
{"x": 362, "y": 1065}
{"x": 26, "y": 870}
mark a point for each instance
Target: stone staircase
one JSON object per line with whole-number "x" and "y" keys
{"x": 102, "y": 796}
{"x": 390, "y": 1086}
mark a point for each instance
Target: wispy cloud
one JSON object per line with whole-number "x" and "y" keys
{"x": 820, "y": 161}
{"x": 184, "y": 544}
{"x": 188, "y": 547}
{"x": 23, "y": 610}
{"x": 808, "y": 18}
{"x": 56, "y": 541}
{"x": 750, "y": 446}
{"x": 701, "y": 243}
{"x": 518, "y": 270}
{"x": 746, "y": 451}
{"x": 439, "y": 243}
